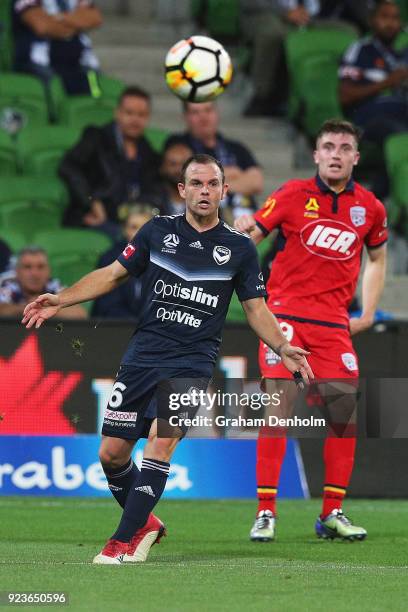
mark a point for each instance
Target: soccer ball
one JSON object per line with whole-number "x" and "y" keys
{"x": 198, "y": 69}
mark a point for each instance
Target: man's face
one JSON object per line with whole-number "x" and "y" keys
{"x": 203, "y": 189}
{"x": 335, "y": 156}
{"x": 132, "y": 116}
{"x": 202, "y": 120}
{"x": 133, "y": 224}
{"x": 33, "y": 273}
{"x": 386, "y": 23}
{"x": 173, "y": 161}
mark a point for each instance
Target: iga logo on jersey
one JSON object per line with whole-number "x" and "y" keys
{"x": 129, "y": 250}
{"x": 221, "y": 255}
{"x": 330, "y": 239}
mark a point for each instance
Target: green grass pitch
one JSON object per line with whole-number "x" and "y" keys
{"x": 207, "y": 561}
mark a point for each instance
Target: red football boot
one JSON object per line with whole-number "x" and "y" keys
{"x": 112, "y": 553}
{"x": 143, "y": 540}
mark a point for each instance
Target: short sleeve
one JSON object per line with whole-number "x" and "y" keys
{"x": 248, "y": 282}
{"x": 245, "y": 159}
{"x": 273, "y": 211}
{"x": 378, "y": 233}
{"x": 136, "y": 255}
{"x": 22, "y": 5}
{"x": 5, "y": 296}
{"x": 351, "y": 64}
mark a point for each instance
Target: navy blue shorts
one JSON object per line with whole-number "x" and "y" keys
{"x": 140, "y": 395}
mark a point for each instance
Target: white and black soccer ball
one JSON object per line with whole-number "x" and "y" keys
{"x": 198, "y": 69}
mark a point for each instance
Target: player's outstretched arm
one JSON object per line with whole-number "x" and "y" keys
{"x": 89, "y": 287}
{"x": 247, "y": 224}
{"x": 267, "y": 329}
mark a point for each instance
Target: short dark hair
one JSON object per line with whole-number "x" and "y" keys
{"x": 185, "y": 104}
{"x": 378, "y": 4}
{"x": 31, "y": 250}
{"x": 339, "y": 126}
{"x": 201, "y": 158}
{"x": 135, "y": 92}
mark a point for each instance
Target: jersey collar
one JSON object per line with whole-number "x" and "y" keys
{"x": 326, "y": 189}
{"x": 206, "y": 232}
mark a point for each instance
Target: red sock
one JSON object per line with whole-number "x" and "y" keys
{"x": 270, "y": 453}
{"x": 338, "y": 459}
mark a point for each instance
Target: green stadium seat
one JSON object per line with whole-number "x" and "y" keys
{"x": 235, "y": 312}
{"x": 35, "y": 189}
{"x": 6, "y": 37}
{"x": 25, "y": 94}
{"x": 81, "y": 111}
{"x": 403, "y": 4}
{"x": 318, "y": 92}
{"x": 40, "y": 149}
{"x": 110, "y": 88}
{"x": 8, "y": 156}
{"x": 13, "y": 239}
{"x": 396, "y": 151}
{"x": 402, "y": 41}
{"x": 28, "y": 217}
{"x": 302, "y": 44}
{"x": 398, "y": 212}
{"x": 72, "y": 252}
{"x": 223, "y": 18}
{"x": 157, "y": 138}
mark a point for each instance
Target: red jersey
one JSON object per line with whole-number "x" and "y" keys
{"x": 321, "y": 237}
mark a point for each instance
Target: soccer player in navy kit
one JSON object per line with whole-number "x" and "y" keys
{"x": 189, "y": 266}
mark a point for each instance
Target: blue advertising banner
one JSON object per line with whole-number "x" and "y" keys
{"x": 68, "y": 466}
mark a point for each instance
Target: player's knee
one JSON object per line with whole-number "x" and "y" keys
{"x": 109, "y": 458}
{"x": 162, "y": 448}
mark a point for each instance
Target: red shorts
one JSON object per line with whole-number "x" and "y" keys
{"x": 331, "y": 351}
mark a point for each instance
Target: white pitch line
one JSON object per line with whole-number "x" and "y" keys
{"x": 245, "y": 564}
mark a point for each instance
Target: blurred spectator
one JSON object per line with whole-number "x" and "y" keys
{"x": 49, "y": 39}
{"x": 123, "y": 302}
{"x": 169, "y": 201}
{"x": 266, "y": 24}
{"x": 5, "y": 254}
{"x": 111, "y": 165}
{"x": 32, "y": 278}
{"x": 374, "y": 82}
{"x": 242, "y": 172}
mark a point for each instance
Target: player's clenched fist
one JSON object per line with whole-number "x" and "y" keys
{"x": 43, "y": 308}
{"x": 246, "y": 224}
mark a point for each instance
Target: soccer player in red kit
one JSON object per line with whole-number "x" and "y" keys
{"x": 324, "y": 223}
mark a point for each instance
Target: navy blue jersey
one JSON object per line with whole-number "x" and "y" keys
{"x": 188, "y": 278}
{"x": 370, "y": 61}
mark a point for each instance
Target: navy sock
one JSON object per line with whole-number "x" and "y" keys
{"x": 121, "y": 479}
{"x": 142, "y": 499}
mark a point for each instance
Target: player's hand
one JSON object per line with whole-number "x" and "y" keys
{"x": 44, "y": 307}
{"x": 298, "y": 16}
{"x": 397, "y": 77}
{"x": 360, "y": 324}
{"x": 245, "y": 224}
{"x": 294, "y": 359}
